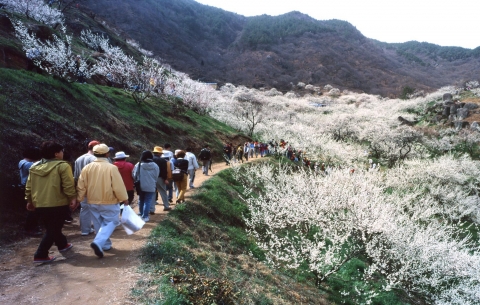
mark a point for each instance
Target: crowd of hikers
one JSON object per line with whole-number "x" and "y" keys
{"x": 253, "y": 149}
{"x": 101, "y": 183}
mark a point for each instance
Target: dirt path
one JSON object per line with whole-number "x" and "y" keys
{"x": 78, "y": 276}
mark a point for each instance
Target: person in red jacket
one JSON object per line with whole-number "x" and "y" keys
{"x": 125, "y": 168}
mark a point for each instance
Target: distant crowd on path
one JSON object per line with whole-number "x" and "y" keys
{"x": 247, "y": 150}
{"x": 101, "y": 186}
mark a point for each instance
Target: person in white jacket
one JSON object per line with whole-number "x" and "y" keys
{"x": 192, "y": 166}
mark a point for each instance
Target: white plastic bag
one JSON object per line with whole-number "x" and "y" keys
{"x": 131, "y": 222}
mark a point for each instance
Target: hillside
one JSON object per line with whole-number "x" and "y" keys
{"x": 218, "y": 46}
{"x": 35, "y": 108}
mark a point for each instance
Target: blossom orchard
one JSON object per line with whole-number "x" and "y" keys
{"x": 325, "y": 221}
{"x": 408, "y": 220}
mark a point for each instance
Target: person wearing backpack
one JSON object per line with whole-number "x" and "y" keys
{"x": 163, "y": 178}
{"x": 147, "y": 171}
{"x": 205, "y": 156}
{"x": 180, "y": 175}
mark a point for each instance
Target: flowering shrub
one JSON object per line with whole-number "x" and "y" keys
{"x": 300, "y": 217}
{"x": 473, "y": 84}
{"x": 334, "y": 92}
{"x": 35, "y": 9}
{"x": 54, "y": 56}
{"x": 452, "y": 140}
{"x": 195, "y": 95}
{"x": 141, "y": 80}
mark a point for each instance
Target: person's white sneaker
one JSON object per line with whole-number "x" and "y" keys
{"x": 146, "y": 219}
{"x": 91, "y": 231}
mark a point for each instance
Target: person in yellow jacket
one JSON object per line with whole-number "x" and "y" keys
{"x": 101, "y": 182}
{"x": 50, "y": 191}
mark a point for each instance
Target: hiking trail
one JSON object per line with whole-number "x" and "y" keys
{"x": 78, "y": 276}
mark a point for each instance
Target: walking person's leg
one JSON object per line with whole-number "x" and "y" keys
{"x": 182, "y": 186}
{"x": 53, "y": 219}
{"x": 162, "y": 191}
{"x": 85, "y": 217}
{"x": 206, "y": 164}
{"x": 108, "y": 216}
{"x": 59, "y": 238}
{"x": 141, "y": 203}
{"x": 191, "y": 175}
{"x": 153, "y": 203}
{"x": 175, "y": 188}
{"x": 148, "y": 197}
{"x": 170, "y": 190}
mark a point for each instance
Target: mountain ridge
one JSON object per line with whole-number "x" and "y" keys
{"x": 214, "y": 45}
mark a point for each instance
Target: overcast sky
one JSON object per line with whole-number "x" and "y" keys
{"x": 442, "y": 22}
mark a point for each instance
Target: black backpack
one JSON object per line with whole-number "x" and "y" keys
{"x": 204, "y": 154}
{"x": 180, "y": 170}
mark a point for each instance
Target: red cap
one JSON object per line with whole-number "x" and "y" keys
{"x": 92, "y": 144}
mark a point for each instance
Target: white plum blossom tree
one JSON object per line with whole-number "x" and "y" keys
{"x": 35, "y": 9}
{"x": 300, "y": 217}
{"x": 142, "y": 80}
{"x": 53, "y": 55}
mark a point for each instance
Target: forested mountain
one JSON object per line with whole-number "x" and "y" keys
{"x": 214, "y": 45}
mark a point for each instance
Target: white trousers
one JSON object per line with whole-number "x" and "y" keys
{"x": 105, "y": 219}
{"x": 85, "y": 217}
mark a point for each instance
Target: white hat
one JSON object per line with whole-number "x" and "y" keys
{"x": 177, "y": 151}
{"x": 121, "y": 155}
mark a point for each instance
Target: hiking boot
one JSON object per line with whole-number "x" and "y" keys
{"x": 167, "y": 209}
{"x": 67, "y": 247}
{"x": 69, "y": 219}
{"x": 97, "y": 250}
{"x": 152, "y": 213}
{"x": 48, "y": 259}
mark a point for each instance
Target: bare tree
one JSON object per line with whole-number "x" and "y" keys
{"x": 250, "y": 111}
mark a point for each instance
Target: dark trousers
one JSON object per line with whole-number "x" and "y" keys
{"x": 130, "y": 194}
{"x": 53, "y": 219}
{"x": 31, "y": 223}
{"x": 170, "y": 189}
